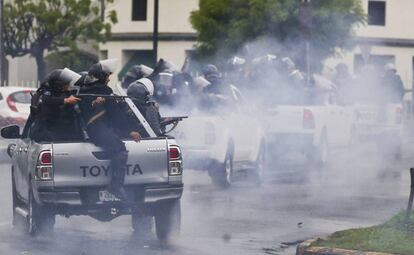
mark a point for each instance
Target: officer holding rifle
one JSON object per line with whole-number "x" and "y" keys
{"x": 52, "y": 108}
{"x": 98, "y": 113}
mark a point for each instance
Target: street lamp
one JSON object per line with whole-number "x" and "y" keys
{"x": 305, "y": 18}
{"x": 155, "y": 32}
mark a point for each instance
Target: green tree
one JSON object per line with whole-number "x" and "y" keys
{"x": 226, "y": 26}
{"x": 37, "y": 27}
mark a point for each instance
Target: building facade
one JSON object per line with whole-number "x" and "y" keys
{"x": 132, "y": 41}
{"x": 387, "y": 37}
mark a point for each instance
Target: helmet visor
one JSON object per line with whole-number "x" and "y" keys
{"x": 109, "y": 65}
{"x": 146, "y": 70}
{"x": 165, "y": 79}
{"x": 69, "y": 77}
{"x": 237, "y": 61}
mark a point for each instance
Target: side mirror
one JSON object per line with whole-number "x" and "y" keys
{"x": 10, "y": 132}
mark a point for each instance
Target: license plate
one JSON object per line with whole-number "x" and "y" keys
{"x": 106, "y": 196}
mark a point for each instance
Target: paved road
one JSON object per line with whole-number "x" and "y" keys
{"x": 357, "y": 188}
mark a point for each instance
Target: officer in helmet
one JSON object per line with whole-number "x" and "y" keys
{"x": 99, "y": 114}
{"x": 216, "y": 86}
{"x": 392, "y": 85}
{"x": 53, "y": 108}
{"x": 135, "y": 73}
{"x": 141, "y": 91}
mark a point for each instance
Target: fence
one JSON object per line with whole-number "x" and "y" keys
{"x": 22, "y": 83}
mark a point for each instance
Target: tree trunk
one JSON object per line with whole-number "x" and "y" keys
{"x": 41, "y": 66}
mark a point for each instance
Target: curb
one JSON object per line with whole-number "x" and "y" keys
{"x": 305, "y": 249}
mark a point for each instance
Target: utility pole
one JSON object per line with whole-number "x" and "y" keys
{"x": 2, "y": 72}
{"x": 305, "y": 18}
{"x": 155, "y": 32}
{"x": 103, "y": 10}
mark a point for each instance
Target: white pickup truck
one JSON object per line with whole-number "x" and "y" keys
{"x": 223, "y": 144}
{"x": 312, "y": 129}
{"x": 381, "y": 124}
{"x": 69, "y": 177}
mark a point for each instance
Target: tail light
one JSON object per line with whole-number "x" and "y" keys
{"x": 44, "y": 166}
{"x": 398, "y": 115}
{"x": 11, "y": 103}
{"x": 175, "y": 160}
{"x": 308, "y": 120}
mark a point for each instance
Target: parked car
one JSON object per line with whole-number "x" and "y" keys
{"x": 14, "y": 105}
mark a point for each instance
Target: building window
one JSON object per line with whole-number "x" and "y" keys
{"x": 139, "y": 10}
{"x": 376, "y": 13}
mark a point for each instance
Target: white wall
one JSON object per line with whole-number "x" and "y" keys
{"x": 173, "y": 17}
{"x": 399, "y": 20}
{"x": 22, "y": 71}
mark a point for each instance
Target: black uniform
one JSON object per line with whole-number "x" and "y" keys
{"x": 152, "y": 115}
{"x": 393, "y": 88}
{"x": 54, "y": 120}
{"x": 99, "y": 120}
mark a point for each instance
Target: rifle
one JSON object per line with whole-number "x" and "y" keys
{"x": 170, "y": 120}
{"x": 112, "y": 96}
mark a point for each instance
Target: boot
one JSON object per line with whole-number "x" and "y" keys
{"x": 118, "y": 168}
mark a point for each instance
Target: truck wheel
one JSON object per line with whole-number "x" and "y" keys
{"x": 39, "y": 220}
{"x": 319, "y": 157}
{"x": 222, "y": 175}
{"x": 18, "y": 220}
{"x": 168, "y": 220}
{"x": 260, "y": 164}
{"x": 142, "y": 225}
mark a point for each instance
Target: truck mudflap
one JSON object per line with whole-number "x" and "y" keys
{"x": 84, "y": 164}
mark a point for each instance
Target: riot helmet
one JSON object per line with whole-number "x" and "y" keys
{"x": 200, "y": 83}
{"x": 101, "y": 71}
{"x": 288, "y": 63}
{"x": 61, "y": 79}
{"x": 141, "y": 90}
{"x": 211, "y": 73}
{"x": 136, "y": 72}
{"x": 236, "y": 61}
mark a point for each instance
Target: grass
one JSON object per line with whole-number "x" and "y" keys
{"x": 394, "y": 236}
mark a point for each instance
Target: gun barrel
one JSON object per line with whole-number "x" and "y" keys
{"x": 104, "y": 96}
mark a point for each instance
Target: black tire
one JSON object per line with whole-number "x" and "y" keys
{"x": 260, "y": 165}
{"x": 319, "y": 156}
{"x": 168, "y": 220}
{"x": 222, "y": 175}
{"x": 39, "y": 220}
{"x": 142, "y": 225}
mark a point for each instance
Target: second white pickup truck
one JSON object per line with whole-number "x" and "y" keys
{"x": 312, "y": 129}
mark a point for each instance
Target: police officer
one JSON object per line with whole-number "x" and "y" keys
{"x": 393, "y": 86}
{"x": 135, "y": 73}
{"x": 141, "y": 91}
{"x": 216, "y": 92}
{"x": 98, "y": 114}
{"x": 54, "y": 112}
{"x": 216, "y": 86}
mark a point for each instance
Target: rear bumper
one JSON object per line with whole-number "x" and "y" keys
{"x": 371, "y": 132}
{"x": 288, "y": 142}
{"x": 69, "y": 201}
